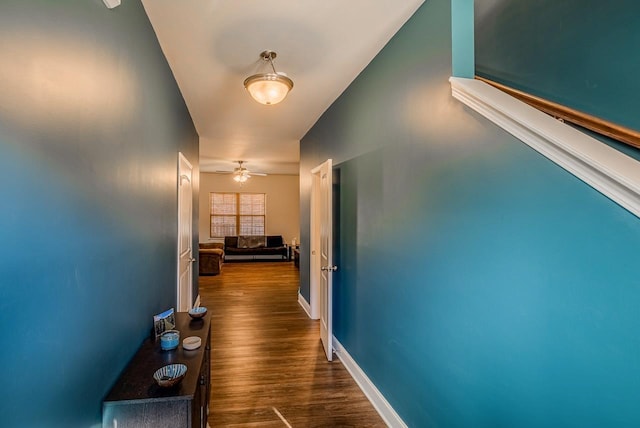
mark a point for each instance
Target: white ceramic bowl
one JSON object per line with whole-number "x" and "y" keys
{"x": 170, "y": 375}
{"x": 192, "y": 342}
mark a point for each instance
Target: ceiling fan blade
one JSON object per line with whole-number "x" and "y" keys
{"x": 242, "y": 170}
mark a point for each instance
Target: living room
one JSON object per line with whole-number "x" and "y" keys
{"x": 281, "y": 204}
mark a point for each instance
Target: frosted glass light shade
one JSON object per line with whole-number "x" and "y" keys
{"x": 268, "y": 88}
{"x": 241, "y": 178}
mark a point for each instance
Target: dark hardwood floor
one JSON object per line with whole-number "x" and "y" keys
{"x": 267, "y": 358}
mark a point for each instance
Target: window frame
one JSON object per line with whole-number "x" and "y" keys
{"x": 238, "y": 216}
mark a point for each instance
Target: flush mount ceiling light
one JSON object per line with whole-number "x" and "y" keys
{"x": 268, "y": 88}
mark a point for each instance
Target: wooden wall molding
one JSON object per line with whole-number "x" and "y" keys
{"x": 596, "y": 124}
{"x": 607, "y": 170}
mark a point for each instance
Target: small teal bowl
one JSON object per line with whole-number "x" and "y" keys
{"x": 170, "y": 375}
{"x": 198, "y": 312}
{"x": 169, "y": 340}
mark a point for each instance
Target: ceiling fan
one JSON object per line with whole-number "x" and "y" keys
{"x": 241, "y": 174}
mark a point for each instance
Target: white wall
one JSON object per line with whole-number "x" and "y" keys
{"x": 283, "y": 201}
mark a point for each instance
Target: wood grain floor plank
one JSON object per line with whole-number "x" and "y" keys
{"x": 266, "y": 354}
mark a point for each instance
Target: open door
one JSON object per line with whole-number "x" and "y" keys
{"x": 185, "y": 239}
{"x": 323, "y": 207}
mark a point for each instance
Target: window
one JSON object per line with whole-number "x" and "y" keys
{"x": 237, "y": 214}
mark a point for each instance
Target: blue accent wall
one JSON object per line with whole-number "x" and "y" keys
{"x": 579, "y": 53}
{"x": 91, "y": 123}
{"x": 462, "y": 39}
{"x": 479, "y": 284}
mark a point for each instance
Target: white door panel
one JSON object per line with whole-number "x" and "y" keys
{"x": 325, "y": 198}
{"x": 185, "y": 250}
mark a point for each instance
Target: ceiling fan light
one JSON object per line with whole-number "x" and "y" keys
{"x": 241, "y": 176}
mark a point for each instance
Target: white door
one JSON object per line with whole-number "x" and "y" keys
{"x": 185, "y": 250}
{"x": 326, "y": 260}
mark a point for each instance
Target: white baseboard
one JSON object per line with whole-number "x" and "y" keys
{"x": 382, "y": 406}
{"x": 305, "y": 305}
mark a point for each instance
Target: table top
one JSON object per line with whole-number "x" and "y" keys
{"x": 136, "y": 382}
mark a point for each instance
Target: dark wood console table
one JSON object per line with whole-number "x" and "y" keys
{"x": 137, "y": 401}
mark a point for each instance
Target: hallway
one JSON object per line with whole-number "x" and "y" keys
{"x": 268, "y": 368}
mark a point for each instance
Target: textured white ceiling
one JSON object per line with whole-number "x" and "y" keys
{"x": 213, "y": 45}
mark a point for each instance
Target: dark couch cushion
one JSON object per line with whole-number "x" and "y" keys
{"x": 255, "y": 246}
{"x": 275, "y": 241}
{"x": 230, "y": 241}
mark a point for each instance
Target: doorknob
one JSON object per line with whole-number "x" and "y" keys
{"x": 192, "y": 260}
{"x": 329, "y": 268}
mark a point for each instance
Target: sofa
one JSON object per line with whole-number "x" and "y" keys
{"x": 255, "y": 247}
{"x": 211, "y": 258}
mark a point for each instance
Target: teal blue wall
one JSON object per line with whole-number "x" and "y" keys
{"x": 479, "y": 284}
{"x": 462, "y": 39}
{"x": 579, "y": 53}
{"x": 91, "y": 122}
